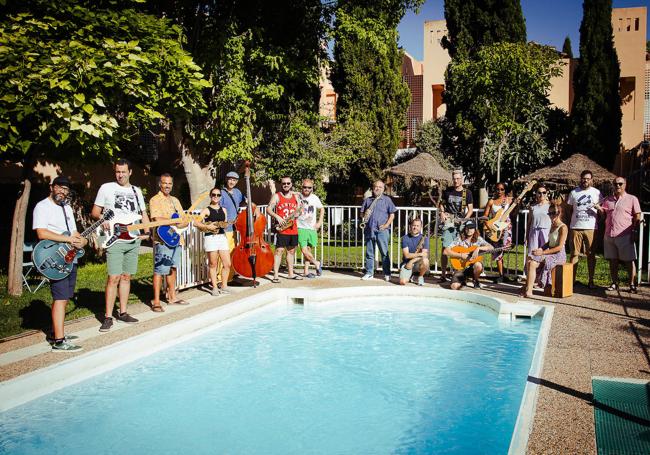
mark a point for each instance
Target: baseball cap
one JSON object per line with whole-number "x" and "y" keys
{"x": 61, "y": 181}
{"x": 232, "y": 175}
{"x": 469, "y": 224}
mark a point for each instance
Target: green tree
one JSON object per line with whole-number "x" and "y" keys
{"x": 366, "y": 76}
{"x": 475, "y": 23}
{"x": 566, "y": 47}
{"x": 428, "y": 139}
{"x": 503, "y": 109}
{"x": 78, "y": 81}
{"x": 596, "y": 114}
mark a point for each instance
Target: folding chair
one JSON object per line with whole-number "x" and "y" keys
{"x": 28, "y": 247}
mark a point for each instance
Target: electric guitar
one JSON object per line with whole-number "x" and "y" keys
{"x": 461, "y": 264}
{"x": 121, "y": 226}
{"x": 55, "y": 260}
{"x": 171, "y": 235}
{"x": 494, "y": 227}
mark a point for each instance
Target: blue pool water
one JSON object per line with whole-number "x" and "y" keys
{"x": 405, "y": 376}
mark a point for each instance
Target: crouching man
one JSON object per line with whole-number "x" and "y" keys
{"x": 415, "y": 253}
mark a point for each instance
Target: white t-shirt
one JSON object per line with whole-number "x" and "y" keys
{"x": 308, "y": 217}
{"x": 48, "y": 215}
{"x": 120, "y": 199}
{"x": 584, "y": 213}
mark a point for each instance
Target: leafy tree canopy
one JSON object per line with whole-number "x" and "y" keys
{"x": 87, "y": 78}
{"x": 503, "y": 107}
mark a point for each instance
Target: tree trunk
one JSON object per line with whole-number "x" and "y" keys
{"x": 199, "y": 178}
{"x": 15, "y": 273}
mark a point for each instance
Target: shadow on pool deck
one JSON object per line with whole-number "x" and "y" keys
{"x": 593, "y": 333}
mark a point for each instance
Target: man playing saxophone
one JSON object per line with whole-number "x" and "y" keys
{"x": 377, "y": 212}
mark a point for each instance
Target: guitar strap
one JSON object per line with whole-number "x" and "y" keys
{"x": 137, "y": 201}
{"x": 463, "y": 203}
{"x": 65, "y": 217}
{"x": 231, "y": 198}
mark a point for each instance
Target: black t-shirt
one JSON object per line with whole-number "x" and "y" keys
{"x": 452, "y": 200}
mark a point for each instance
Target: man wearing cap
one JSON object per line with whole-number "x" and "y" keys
{"x": 53, "y": 220}
{"x": 468, "y": 238}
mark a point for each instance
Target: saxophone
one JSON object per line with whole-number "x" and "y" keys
{"x": 368, "y": 213}
{"x": 288, "y": 221}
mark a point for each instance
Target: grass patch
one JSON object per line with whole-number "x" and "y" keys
{"x": 33, "y": 311}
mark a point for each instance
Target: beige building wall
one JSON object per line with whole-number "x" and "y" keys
{"x": 561, "y": 93}
{"x": 629, "y": 26}
{"x": 435, "y": 63}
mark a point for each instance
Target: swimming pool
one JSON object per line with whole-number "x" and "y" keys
{"x": 398, "y": 374}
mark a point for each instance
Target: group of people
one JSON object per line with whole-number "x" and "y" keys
{"x": 300, "y": 213}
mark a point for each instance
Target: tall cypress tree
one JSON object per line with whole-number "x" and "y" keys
{"x": 566, "y": 47}
{"x": 475, "y": 23}
{"x": 596, "y": 115}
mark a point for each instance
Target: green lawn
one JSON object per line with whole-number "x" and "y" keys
{"x": 32, "y": 311}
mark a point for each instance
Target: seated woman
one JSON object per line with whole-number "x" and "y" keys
{"x": 468, "y": 238}
{"x": 542, "y": 260}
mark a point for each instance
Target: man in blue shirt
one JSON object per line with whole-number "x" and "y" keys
{"x": 377, "y": 212}
{"x": 415, "y": 250}
{"x": 231, "y": 200}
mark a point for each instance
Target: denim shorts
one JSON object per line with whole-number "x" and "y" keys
{"x": 164, "y": 258}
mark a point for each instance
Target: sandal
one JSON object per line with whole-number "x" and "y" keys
{"x": 179, "y": 302}
{"x": 157, "y": 308}
{"x": 319, "y": 270}
{"x": 275, "y": 280}
{"x": 295, "y": 277}
{"x": 613, "y": 287}
{"x": 633, "y": 289}
{"x": 310, "y": 275}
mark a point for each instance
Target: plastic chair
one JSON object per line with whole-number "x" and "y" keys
{"x": 28, "y": 247}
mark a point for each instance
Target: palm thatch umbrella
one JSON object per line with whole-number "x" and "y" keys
{"x": 567, "y": 173}
{"x": 423, "y": 166}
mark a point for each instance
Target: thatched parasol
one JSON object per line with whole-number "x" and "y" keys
{"x": 423, "y": 166}
{"x": 567, "y": 173}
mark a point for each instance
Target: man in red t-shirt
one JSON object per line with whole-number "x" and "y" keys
{"x": 284, "y": 207}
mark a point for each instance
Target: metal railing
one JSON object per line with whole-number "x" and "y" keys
{"x": 342, "y": 244}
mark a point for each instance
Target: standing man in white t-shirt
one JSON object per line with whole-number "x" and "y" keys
{"x": 308, "y": 226}
{"x": 121, "y": 257}
{"x": 53, "y": 220}
{"x": 585, "y": 204}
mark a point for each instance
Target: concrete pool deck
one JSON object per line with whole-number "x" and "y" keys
{"x": 594, "y": 333}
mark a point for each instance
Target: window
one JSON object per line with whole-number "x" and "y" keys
{"x": 629, "y": 24}
{"x": 636, "y": 24}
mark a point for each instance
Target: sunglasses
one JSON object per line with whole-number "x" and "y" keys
{"x": 286, "y": 183}
{"x": 619, "y": 183}
{"x": 215, "y": 194}
{"x": 307, "y": 187}
{"x": 541, "y": 193}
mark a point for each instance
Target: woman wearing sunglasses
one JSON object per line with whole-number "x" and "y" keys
{"x": 539, "y": 223}
{"x": 543, "y": 259}
{"x": 215, "y": 242}
{"x": 501, "y": 201}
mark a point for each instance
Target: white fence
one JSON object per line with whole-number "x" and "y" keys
{"x": 342, "y": 244}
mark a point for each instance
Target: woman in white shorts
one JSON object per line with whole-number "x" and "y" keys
{"x": 215, "y": 241}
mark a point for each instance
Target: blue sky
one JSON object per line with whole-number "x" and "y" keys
{"x": 547, "y": 22}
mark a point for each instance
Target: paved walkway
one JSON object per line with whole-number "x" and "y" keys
{"x": 594, "y": 333}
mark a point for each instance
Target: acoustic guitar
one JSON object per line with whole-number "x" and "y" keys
{"x": 495, "y": 227}
{"x": 461, "y": 264}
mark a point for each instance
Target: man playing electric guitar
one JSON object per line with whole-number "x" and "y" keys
{"x": 52, "y": 218}
{"x": 468, "y": 238}
{"x": 122, "y": 257}
{"x": 166, "y": 252}
{"x": 456, "y": 203}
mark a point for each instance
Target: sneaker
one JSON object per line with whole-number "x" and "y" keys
{"x": 442, "y": 279}
{"x": 387, "y": 278}
{"x": 215, "y": 292}
{"x": 367, "y": 277}
{"x": 421, "y": 281}
{"x": 50, "y": 338}
{"x": 477, "y": 285}
{"x": 226, "y": 291}
{"x": 126, "y": 317}
{"x": 106, "y": 325}
{"x": 64, "y": 346}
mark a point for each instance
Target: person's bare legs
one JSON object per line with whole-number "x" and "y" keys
{"x": 277, "y": 260}
{"x": 171, "y": 285}
{"x": 213, "y": 260}
{"x": 631, "y": 272}
{"x": 58, "y": 318}
{"x": 124, "y": 291}
{"x": 309, "y": 257}
{"x": 157, "y": 285}
{"x": 291, "y": 257}
{"x": 613, "y": 270}
{"x": 224, "y": 255}
{"x": 111, "y": 293}
{"x": 530, "y": 277}
{"x": 478, "y": 269}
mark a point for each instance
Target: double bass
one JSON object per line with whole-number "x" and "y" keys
{"x": 252, "y": 257}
